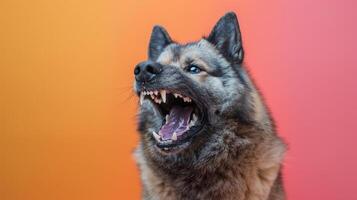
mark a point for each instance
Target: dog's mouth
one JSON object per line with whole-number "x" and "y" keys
{"x": 182, "y": 118}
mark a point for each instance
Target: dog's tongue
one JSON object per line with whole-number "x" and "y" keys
{"x": 178, "y": 121}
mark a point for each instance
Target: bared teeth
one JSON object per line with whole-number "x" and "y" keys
{"x": 167, "y": 118}
{"x": 174, "y": 136}
{"x": 156, "y": 136}
{"x": 158, "y": 100}
{"x": 162, "y": 98}
{"x": 193, "y": 120}
{"x": 186, "y": 99}
{"x": 194, "y": 117}
{"x": 163, "y": 95}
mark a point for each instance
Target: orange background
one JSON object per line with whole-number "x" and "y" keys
{"x": 67, "y": 110}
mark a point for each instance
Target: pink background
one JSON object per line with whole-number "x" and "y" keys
{"x": 316, "y": 107}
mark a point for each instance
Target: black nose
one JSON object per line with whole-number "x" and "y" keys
{"x": 146, "y": 71}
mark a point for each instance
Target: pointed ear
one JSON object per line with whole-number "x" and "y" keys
{"x": 226, "y": 37}
{"x": 158, "y": 41}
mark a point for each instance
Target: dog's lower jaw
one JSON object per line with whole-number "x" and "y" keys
{"x": 253, "y": 174}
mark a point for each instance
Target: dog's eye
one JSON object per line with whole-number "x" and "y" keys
{"x": 193, "y": 69}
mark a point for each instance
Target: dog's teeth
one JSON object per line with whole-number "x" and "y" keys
{"x": 167, "y": 118}
{"x": 142, "y": 95}
{"x": 156, "y": 92}
{"x": 194, "y": 118}
{"x": 174, "y": 136}
{"x": 152, "y": 96}
{"x": 159, "y": 101}
{"x": 156, "y": 136}
{"x": 175, "y": 95}
{"x": 163, "y": 95}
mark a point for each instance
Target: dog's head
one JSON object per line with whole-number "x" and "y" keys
{"x": 189, "y": 92}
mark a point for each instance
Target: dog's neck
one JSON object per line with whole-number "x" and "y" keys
{"x": 250, "y": 174}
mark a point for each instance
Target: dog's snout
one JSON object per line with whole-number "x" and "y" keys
{"x": 146, "y": 71}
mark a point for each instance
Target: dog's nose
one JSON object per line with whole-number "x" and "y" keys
{"x": 146, "y": 71}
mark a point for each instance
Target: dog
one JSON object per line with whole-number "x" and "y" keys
{"x": 205, "y": 131}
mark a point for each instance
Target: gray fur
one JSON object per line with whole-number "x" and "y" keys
{"x": 237, "y": 154}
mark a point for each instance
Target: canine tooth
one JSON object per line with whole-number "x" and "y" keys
{"x": 194, "y": 118}
{"x": 159, "y": 101}
{"x": 174, "y": 136}
{"x": 156, "y": 92}
{"x": 156, "y": 136}
{"x": 176, "y": 95}
{"x": 167, "y": 118}
{"x": 163, "y": 95}
{"x": 152, "y": 96}
{"x": 142, "y": 95}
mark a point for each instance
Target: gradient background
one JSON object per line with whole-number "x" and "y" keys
{"x": 67, "y": 111}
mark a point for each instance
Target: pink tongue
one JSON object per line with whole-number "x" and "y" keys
{"x": 178, "y": 122}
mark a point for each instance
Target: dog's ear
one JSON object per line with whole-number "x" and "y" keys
{"x": 226, "y": 37}
{"x": 158, "y": 41}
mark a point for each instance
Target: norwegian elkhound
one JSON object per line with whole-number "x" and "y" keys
{"x": 205, "y": 132}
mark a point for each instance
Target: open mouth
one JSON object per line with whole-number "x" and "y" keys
{"x": 181, "y": 116}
